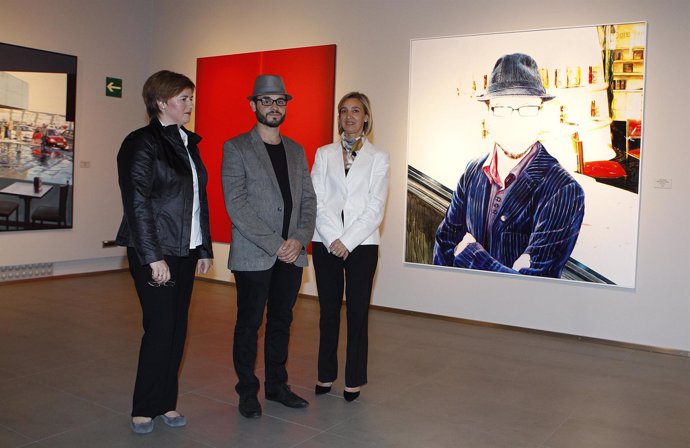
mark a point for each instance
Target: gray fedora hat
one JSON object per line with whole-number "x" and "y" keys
{"x": 269, "y": 85}
{"x": 515, "y": 74}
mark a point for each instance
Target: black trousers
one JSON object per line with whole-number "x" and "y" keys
{"x": 165, "y": 310}
{"x": 355, "y": 276}
{"x": 276, "y": 291}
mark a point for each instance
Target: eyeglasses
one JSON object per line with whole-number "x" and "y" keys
{"x": 158, "y": 285}
{"x": 267, "y": 101}
{"x": 523, "y": 111}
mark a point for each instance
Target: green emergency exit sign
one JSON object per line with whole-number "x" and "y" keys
{"x": 113, "y": 87}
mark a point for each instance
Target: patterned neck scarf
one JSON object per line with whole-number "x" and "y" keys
{"x": 350, "y": 148}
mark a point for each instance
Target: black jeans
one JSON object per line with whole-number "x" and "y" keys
{"x": 354, "y": 276}
{"x": 165, "y": 310}
{"x": 275, "y": 290}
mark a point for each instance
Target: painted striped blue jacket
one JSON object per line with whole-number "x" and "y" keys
{"x": 541, "y": 215}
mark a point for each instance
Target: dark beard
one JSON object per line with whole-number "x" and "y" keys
{"x": 272, "y": 124}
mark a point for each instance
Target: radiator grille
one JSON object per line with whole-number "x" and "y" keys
{"x": 24, "y": 271}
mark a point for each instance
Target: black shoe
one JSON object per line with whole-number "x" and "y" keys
{"x": 288, "y": 398}
{"x": 320, "y": 390}
{"x": 350, "y": 396}
{"x": 250, "y": 407}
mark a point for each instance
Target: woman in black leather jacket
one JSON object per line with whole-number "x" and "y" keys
{"x": 166, "y": 230}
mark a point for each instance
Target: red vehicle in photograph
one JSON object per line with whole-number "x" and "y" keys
{"x": 55, "y": 140}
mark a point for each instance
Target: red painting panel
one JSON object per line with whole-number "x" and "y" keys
{"x": 222, "y": 108}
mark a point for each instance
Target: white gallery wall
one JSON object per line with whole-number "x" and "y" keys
{"x": 373, "y": 42}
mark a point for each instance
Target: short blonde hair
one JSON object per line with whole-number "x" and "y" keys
{"x": 362, "y": 98}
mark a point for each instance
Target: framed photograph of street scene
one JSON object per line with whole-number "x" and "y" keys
{"x": 37, "y": 123}
{"x": 524, "y": 152}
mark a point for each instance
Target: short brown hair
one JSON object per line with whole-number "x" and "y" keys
{"x": 368, "y": 125}
{"x": 161, "y": 86}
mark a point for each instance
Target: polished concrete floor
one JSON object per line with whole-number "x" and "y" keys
{"x": 68, "y": 351}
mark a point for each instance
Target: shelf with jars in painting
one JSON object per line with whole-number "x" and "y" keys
{"x": 628, "y": 98}
{"x": 576, "y": 123}
{"x": 626, "y": 56}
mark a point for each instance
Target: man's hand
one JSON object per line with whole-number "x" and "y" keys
{"x": 338, "y": 249}
{"x": 467, "y": 239}
{"x": 289, "y": 250}
{"x": 523, "y": 261}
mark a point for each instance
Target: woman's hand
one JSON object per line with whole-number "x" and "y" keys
{"x": 203, "y": 265}
{"x": 338, "y": 249}
{"x": 160, "y": 272}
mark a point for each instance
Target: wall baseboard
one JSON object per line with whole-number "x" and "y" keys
{"x": 459, "y": 320}
{"x": 62, "y": 270}
{"x": 554, "y": 334}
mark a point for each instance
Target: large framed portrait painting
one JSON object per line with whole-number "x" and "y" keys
{"x": 524, "y": 152}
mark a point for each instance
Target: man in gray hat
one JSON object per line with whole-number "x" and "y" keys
{"x": 271, "y": 203}
{"x": 515, "y": 210}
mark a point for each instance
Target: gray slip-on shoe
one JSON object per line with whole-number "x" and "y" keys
{"x": 142, "y": 428}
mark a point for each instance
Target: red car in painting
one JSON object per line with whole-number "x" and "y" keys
{"x": 55, "y": 140}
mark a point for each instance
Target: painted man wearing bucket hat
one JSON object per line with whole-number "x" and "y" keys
{"x": 271, "y": 203}
{"x": 515, "y": 210}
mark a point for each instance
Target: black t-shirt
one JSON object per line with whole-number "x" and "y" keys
{"x": 279, "y": 162}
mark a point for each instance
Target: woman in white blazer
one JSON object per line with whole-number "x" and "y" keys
{"x": 350, "y": 179}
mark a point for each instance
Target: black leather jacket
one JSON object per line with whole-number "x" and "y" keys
{"x": 157, "y": 189}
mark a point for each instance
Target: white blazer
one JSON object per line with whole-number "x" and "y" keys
{"x": 360, "y": 196}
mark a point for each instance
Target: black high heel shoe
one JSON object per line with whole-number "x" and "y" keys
{"x": 320, "y": 390}
{"x": 350, "y": 396}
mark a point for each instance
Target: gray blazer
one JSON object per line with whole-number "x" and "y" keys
{"x": 255, "y": 204}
